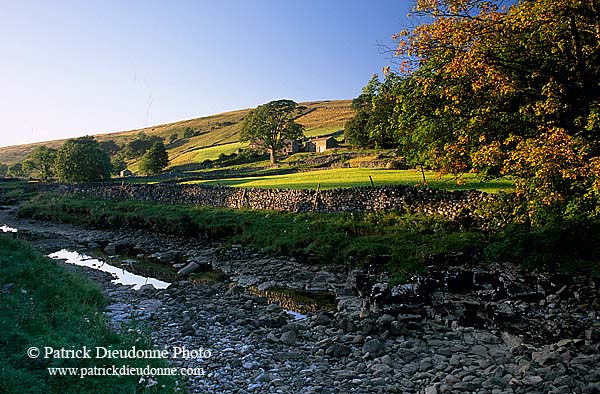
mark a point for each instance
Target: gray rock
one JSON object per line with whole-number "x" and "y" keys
{"x": 385, "y": 320}
{"x": 147, "y": 288}
{"x": 373, "y": 347}
{"x": 273, "y": 308}
{"x": 189, "y": 268}
{"x": 338, "y": 350}
{"x": 272, "y": 337}
{"x": 288, "y": 338}
{"x": 111, "y": 249}
{"x": 266, "y": 285}
{"x": 511, "y": 341}
{"x": 431, "y": 390}
{"x": 486, "y": 337}
{"x": 532, "y": 380}
{"x": 544, "y": 357}
{"x": 398, "y": 328}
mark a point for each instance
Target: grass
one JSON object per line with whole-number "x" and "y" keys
{"x": 208, "y": 153}
{"x": 350, "y": 177}
{"x": 12, "y": 191}
{"x": 43, "y": 304}
{"x": 318, "y": 238}
{"x": 321, "y": 131}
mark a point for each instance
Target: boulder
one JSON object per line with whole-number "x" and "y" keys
{"x": 374, "y": 347}
{"x": 189, "y": 268}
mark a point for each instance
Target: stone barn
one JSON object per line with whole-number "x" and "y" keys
{"x": 290, "y": 147}
{"x": 321, "y": 144}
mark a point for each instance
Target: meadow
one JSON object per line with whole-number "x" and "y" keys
{"x": 352, "y": 177}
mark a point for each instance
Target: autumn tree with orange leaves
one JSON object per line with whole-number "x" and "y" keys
{"x": 511, "y": 91}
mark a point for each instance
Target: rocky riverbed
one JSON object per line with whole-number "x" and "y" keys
{"x": 462, "y": 331}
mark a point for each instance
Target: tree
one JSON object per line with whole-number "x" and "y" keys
{"x": 3, "y": 170}
{"x": 188, "y": 132}
{"x": 82, "y": 160}
{"x": 140, "y": 145}
{"x": 508, "y": 92}
{"x": 155, "y": 159}
{"x": 374, "y": 124}
{"x": 356, "y": 130}
{"x": 117, "y": 164}
{"x": 41, "y": 162}
{"x": 271, "y": 124}
{"x": 15, "y": 171}
{"x": 110, "y": 147}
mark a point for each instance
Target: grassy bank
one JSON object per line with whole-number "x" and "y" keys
{"x": 41, "y": 304}
{"x": 13, "y": 190}
{"x": 405, "y": 240}
{"x": 401, "y": 244}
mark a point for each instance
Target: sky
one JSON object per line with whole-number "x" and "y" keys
{"x": 71, "y": 68}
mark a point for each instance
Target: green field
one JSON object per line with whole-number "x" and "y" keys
{"x": 209, "y": 153}
{"x": 321, "y": 131}
{"x": 350, "y": 177}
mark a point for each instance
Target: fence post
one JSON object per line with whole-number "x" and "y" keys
{"x": 315, "y": 203}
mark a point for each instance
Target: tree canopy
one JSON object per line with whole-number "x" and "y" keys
{"x": 82, "y": 160}
{"x": 500, "y": 91}
{"x": 15, "y": 171}
{"x": 137, "y": 147}
{"x": 271, "y": 124}
{"x": 155, "y": 159}
{"x": 41, "y": 162}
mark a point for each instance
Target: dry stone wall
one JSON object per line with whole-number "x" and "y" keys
{"x": 452, "y": 205}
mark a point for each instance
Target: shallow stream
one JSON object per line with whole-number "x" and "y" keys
{"x": 121, "y": 275}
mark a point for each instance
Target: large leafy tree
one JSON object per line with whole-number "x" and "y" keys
{"x": 512, "y": 91}
{"x": 374, "y": 125}
{"x": 271, "y": 124}
{"x": 155, "y": 159}
{"x": 82, "y": 160}
{"x": 356, "y": 130}
{"x": 41, "y": 162}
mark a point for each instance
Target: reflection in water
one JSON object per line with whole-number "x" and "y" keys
{"x": 296, "y": 315}
{"x": 298, "y": 303}
{"x": 121, "y": 275}
{"x": 5, "y": 229}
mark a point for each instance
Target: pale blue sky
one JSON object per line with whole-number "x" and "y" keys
{"x": 69, "y": 68}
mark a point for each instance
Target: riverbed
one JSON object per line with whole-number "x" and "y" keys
{"x": 257, "y": 347}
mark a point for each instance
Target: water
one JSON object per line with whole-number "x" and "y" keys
{"x": 5, "y": 229}
{"x": 295, "y": 315}
{"x": 294, "y": 302}
{"x": 122, "y": 276}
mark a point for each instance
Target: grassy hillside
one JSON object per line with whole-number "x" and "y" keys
{"x": 221, "y": 130}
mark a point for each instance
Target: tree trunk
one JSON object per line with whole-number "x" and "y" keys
{"x": 272, "y": 156}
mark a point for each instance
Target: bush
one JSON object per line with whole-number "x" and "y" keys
{"x": 561, "y": 246}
